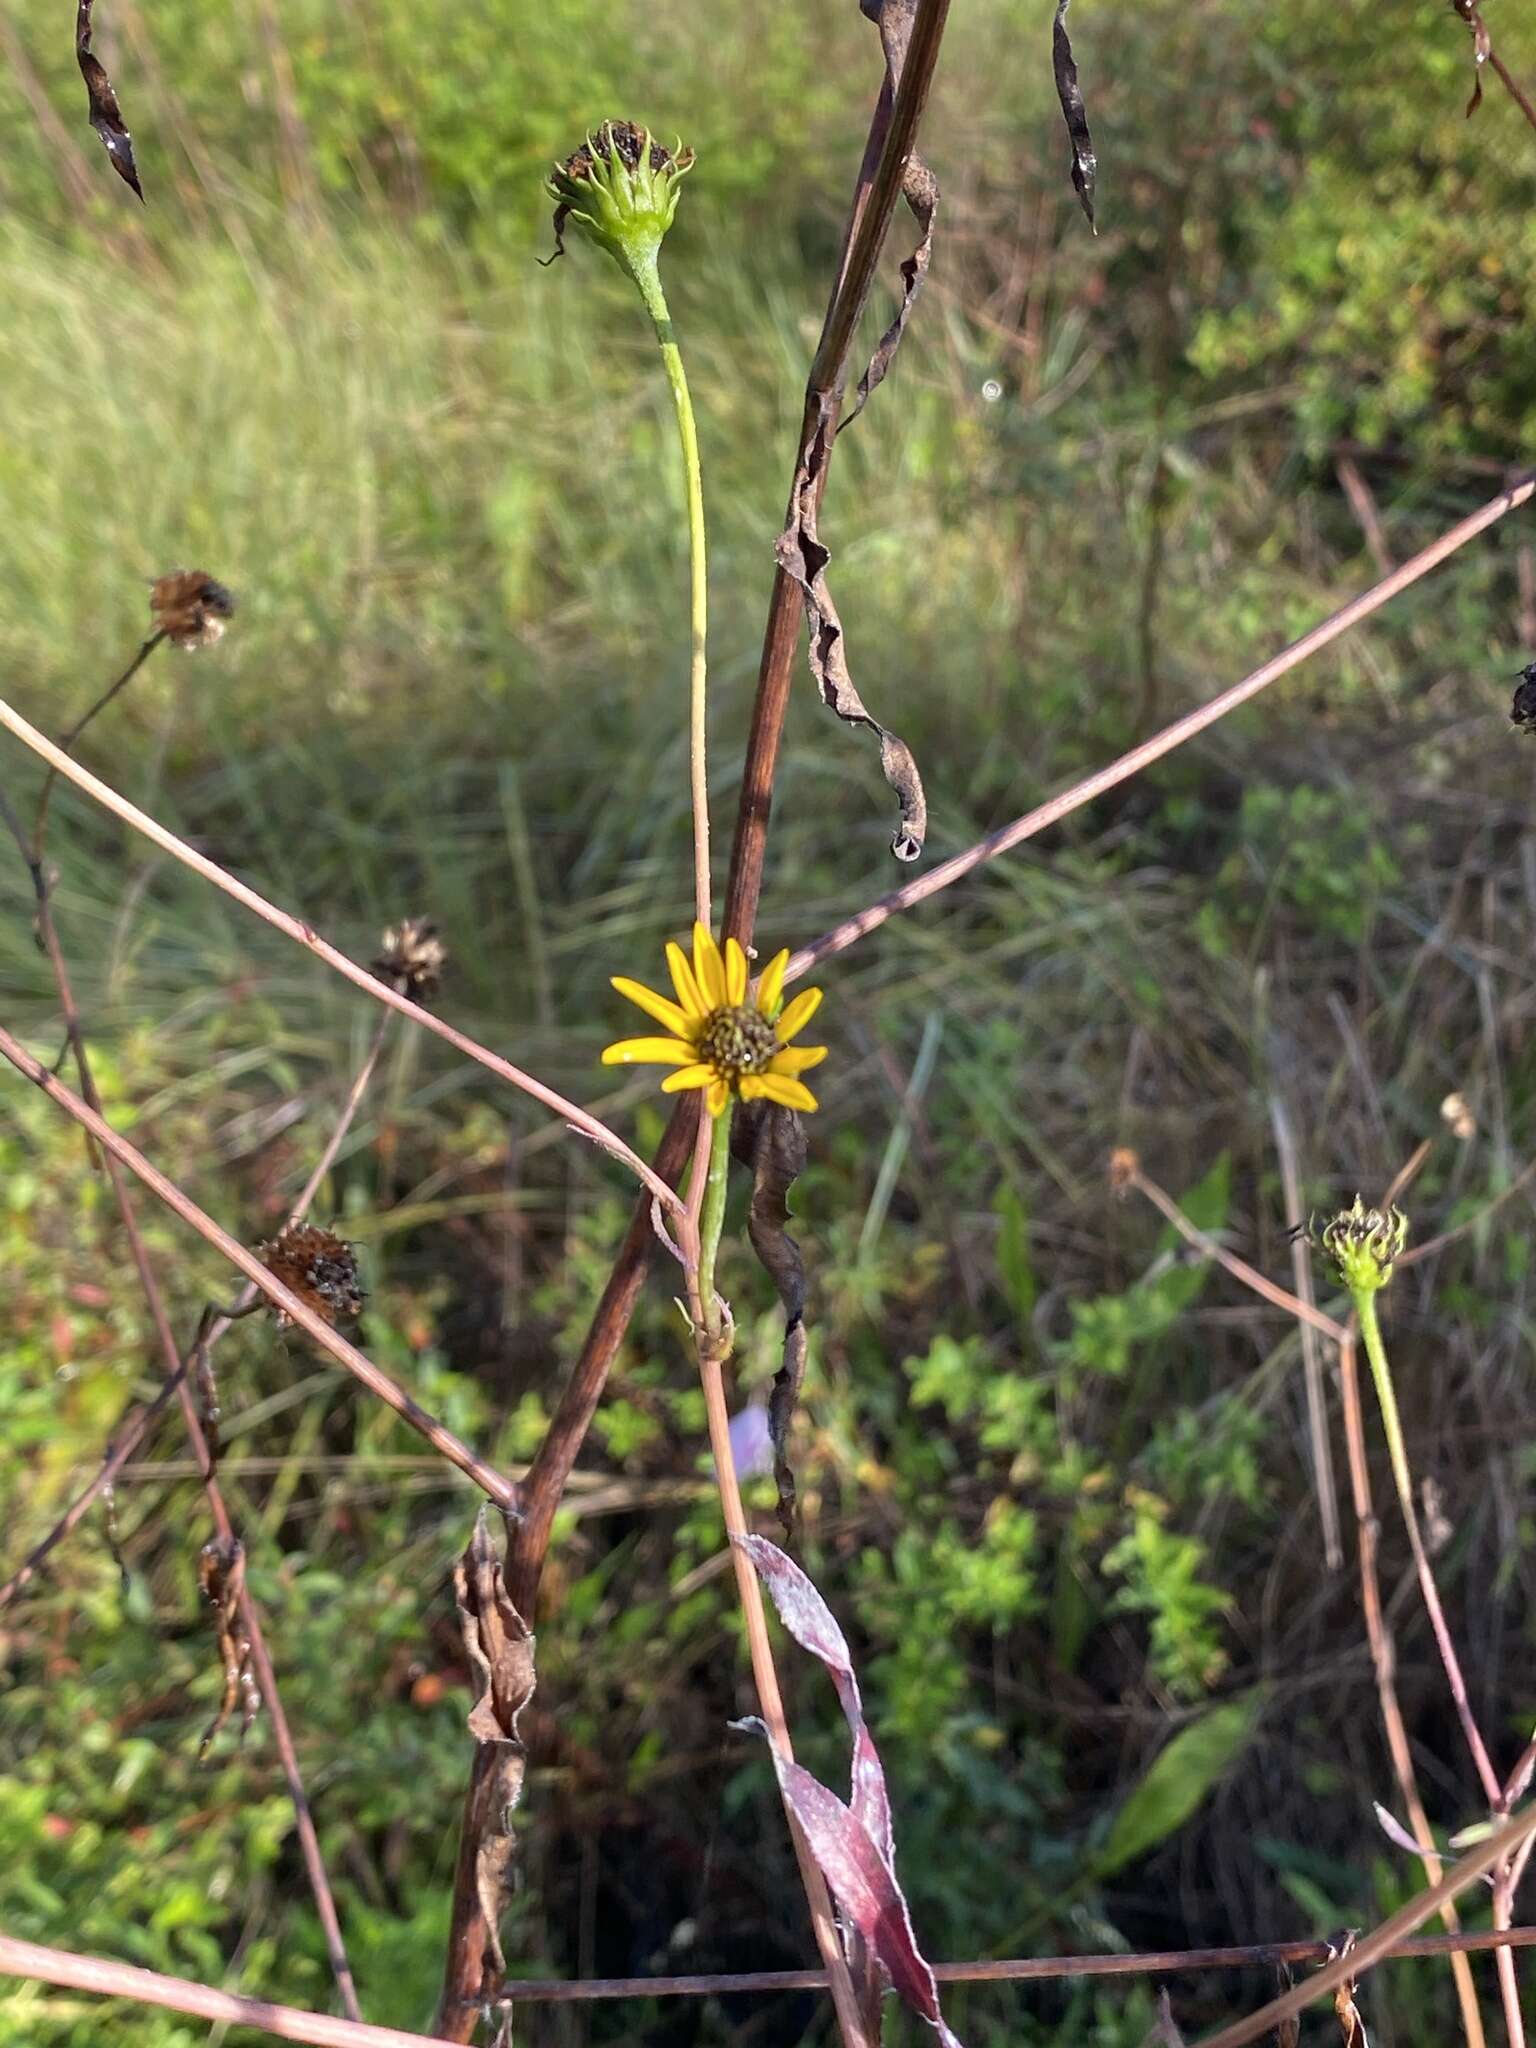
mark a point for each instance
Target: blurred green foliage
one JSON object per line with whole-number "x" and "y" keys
{"x": 1054, "y": 1466}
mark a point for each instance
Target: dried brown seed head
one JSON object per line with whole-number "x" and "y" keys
{"x": 317, "y": 1266}
{"x": 1124, "y": 1165}
{"x": 1459, "y": 1116}
{"x": 412, "y": 959}
{"x": 190, "y": 608}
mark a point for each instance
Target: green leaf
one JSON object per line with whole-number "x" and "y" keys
{"x": 1178, "y": 1780}
{"x": 1014, "y": 1266}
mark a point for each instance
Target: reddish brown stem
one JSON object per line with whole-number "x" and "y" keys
{"x": 875, "y": 198}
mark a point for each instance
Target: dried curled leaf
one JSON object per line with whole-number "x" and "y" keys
{"x": 771, "y": 1141}
{"x": 106, "y": 116}
{"x": 1085, "y": 165}
{"x": 500, "y": 1649}
{"x": 803, "y": 557}
{"x": 919, "y": 189}
{"x": 221, "y": 1574}
{"x": 1482, "y": 48}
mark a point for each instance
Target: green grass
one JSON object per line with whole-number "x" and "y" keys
{"x": 1056, "y": 1477}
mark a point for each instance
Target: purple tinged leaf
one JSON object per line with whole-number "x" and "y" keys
{"x": 854, "y": 1845}
{"x": 751, "y": 1442}
{"x": 1394, "y": 1830}
{"x": 865, "y": 1888}
{"x": 812, "y": 1624}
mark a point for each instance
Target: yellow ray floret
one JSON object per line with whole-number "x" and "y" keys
{"x": 720, "y": 1040}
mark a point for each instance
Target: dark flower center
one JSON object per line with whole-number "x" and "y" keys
{"x": 736, "y": 1040}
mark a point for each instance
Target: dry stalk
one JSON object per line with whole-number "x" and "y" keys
{"x": 261, "y": 1661}
{"x": 877, "y": 192}
{"x": 580, "y": 1120}
{"x": 1135, "y": 759}
{"x": 495, "y": 1485}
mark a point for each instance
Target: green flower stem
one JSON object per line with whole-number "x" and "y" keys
{"x": 1391, "y": 1421}
{"x": 1397, "y": 1451}
{"x": 648, "y": 278}
{"x": 712, "y": 1219}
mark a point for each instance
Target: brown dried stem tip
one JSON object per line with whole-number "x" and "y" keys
{"x": 1123, "y": 1169}
{"x": 317, "y": 1266}
{"x": 412, "y": 959}
{"x": 190, "y": 608}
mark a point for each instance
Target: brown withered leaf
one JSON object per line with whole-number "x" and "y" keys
{"x": 1482, "y": 48}
{"x": 771, "y": 1141}
{"x": 802, "y": 556}
{"x": 500, "y": 1648}
{"x": 919, "y": 189}
{"x": 1085, "y": 165}
{"x": 221, "y": 1574}
{"x": 106, "y": 116}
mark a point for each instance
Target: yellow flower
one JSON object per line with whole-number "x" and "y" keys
{"x": 720, "y": 1042}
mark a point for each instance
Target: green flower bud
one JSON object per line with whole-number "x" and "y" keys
{"x": 621, "y": 190}
{"x": 1364, "y": 1244}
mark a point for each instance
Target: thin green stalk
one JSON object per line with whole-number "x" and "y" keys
{"x": 648, "y": 277}
{"x": 712, "y": 1220}
{"x": 1391, "y": 1421}
{"x": 1397, "y": 1451}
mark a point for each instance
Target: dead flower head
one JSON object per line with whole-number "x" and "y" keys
{"x": 189, "y": 608}
{"x": 1364, "y": 1245}
{"x": 317, "y": 1266}
{"x": 412, "y": 959}
{"x": 621, "y": 190}
{"x": 1459, "y": 1117}
{"x": 1123, "y": 1169}
{"x": 1523, "y": 710}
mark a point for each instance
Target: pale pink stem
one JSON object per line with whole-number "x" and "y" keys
{"x": 1056, "y": 808}
{"x": 305, "y": 935}
{"x": 491, "y": 1482}
{"x": 226, "y": 2008}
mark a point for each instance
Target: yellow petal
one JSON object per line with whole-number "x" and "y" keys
{"x": 797, "y": 1013}
{"x": 655, "y": 1052}
{"x": 708, "y": 969}
{"x": 696, "y": 1076}
{"x": 735, "y": 972}
{"x": 719, "y": 1095}
{"x": 656, "y": 1006}
{"x": 785, "y": 1089}
{"x": 683, "y": 981}
{"x": 795, "y": 1059}
{"x": 770, "y": 990}
{"x": 750, "y": 1087}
